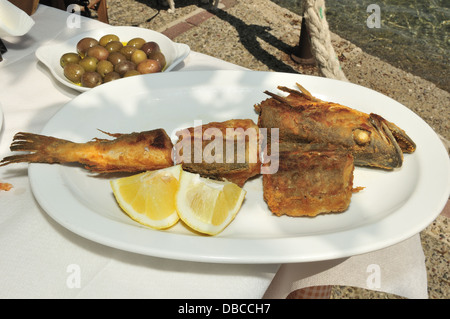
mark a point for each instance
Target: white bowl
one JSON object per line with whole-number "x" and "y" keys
{"x": 13, "y": 21}
{"x": 50, "y": 54}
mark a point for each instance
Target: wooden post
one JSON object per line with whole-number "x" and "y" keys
{"x": 302, "y": 52}
{"x": 102, "y": 11}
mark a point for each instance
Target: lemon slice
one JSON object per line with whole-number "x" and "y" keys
{"x": 149, "y": 197}
{"x": 206, "y": 205}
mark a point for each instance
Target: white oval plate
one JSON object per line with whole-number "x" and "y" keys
{"x": 50, "y": 54}
{"x": 1, "y": 118}
{"x": 393, "y": 206}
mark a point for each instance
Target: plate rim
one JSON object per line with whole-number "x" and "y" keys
{"x": 223, "y": 243}
{"x": 1, "y": 118}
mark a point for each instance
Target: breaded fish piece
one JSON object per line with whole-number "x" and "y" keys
{"x": 311, "y": 179}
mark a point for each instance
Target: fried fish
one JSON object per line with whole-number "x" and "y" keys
{"x": 134, "y": 152}
{"x": 221, "y": 150}
{"x": 302, "y": 118}
{"x": 312, "y": 179}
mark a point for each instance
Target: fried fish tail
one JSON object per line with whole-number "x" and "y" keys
{"x": 132, "y": 152}
{"x": 44, "y": 149}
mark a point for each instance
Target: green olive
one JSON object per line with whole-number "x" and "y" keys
{"x": 69, "y": 57}
{"x": 84, "y": 44}
{"x": 138, "y": 56}
{"x": 127, "y": 51}
{"x": 104, "y": 40}
{"x": 89, "y": 63}
{"x": 98, "y": 52}
{"x": 136, "y": 42}
{"x": 116, "y": 57}
{"x": 131, "y": 73}
{"x": 124, "y": 66}
{"x": 111, "y": 76}
{"x": 104, "y": 67}
{"x": 91, "y": 79}
{"x": 114, "y": 46}
{"x": 149, "y": 66}
{"x": 150, "y": 47}
{"x": 158, "y": 56}
{"x": 73, "y": 72}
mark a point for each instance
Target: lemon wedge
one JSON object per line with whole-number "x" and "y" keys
{"x": 206, "y": 205}
{"x": 149, "y": 197}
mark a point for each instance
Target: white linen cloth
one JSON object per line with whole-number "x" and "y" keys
{"x": 41, "y": 259}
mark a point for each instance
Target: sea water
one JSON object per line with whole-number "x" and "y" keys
{"x": 412, "y": 35}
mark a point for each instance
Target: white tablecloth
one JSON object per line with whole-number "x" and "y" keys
{"x": 41, "y": 259}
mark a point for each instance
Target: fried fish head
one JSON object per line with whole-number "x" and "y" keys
{"x": 301, "y": 118}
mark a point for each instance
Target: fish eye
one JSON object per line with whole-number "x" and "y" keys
{"x": 361, "y": 136}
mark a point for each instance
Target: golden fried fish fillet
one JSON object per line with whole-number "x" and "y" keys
{"x": 311, "y": 179}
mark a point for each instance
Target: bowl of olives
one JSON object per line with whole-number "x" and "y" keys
{"x": 103, "y": 55}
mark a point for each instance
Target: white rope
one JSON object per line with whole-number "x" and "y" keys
{"x": 321, "y": 47}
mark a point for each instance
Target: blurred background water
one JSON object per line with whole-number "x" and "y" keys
{"x": 413, "y": 35}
